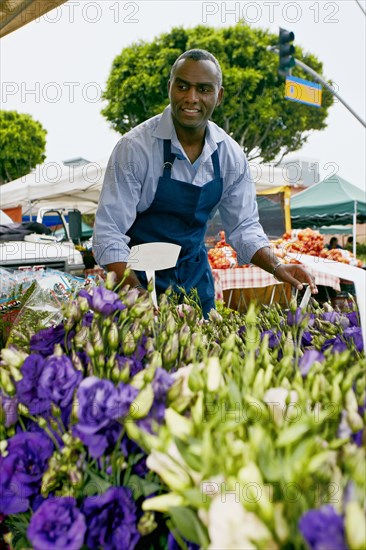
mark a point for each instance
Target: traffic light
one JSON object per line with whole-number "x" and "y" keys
{"x": 286, "y": 51}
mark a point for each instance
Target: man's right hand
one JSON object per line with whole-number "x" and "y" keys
{"x": 119, "y": 269}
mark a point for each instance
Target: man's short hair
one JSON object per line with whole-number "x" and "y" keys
{"x": 198, "y": 55}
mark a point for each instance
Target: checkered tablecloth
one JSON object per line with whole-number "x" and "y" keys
{"x": 254, "y": 277}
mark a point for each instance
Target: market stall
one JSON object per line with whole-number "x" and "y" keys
{"x": 238, "y": 287}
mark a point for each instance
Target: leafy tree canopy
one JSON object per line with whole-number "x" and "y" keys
{"x": 254, "y": 111}
{"x": 22, "y": 145}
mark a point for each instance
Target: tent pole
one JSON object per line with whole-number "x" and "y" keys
{"x": 354, "y": 229}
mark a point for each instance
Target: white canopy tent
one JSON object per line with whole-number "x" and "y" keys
{"x": 55, "y": 185}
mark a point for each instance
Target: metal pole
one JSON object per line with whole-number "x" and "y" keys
{"x": 317, "y": 76}
{"x": 354, "y": 232}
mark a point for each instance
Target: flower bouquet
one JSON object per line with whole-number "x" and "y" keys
{"x": 123, "y": 428}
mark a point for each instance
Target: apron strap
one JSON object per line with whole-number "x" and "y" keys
{"x": 216, "y": 164}
{"x": 169, "y": 158}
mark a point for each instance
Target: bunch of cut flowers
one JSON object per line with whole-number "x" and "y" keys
{"x": 123, "y": 427}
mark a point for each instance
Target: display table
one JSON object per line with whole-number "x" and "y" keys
{"x": 238, "y": 286}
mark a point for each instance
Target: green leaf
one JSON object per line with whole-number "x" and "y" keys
{"x": 189, "y": 526}
{"x": 96, "y": 485}
{"x": 292, "y": 434}
{"x": 142, "y": 487}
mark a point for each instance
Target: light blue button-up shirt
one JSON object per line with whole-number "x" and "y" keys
{"x": 131, "y": 181}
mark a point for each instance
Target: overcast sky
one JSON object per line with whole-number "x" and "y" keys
{"x": 56, "y": 67}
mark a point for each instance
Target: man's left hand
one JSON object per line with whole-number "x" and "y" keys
{"x": 296, "y": 275}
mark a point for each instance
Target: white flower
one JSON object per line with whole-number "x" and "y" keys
{"x": 276, "y": 400}
{"x": 231, "y": 526}
{"x": 172, "y": 468}
{"x": 183, "y": 374}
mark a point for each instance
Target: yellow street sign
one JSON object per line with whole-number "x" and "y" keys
{"x": 303, "y": 91}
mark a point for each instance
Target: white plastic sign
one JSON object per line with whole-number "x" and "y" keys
{"x": 151, "y": 257}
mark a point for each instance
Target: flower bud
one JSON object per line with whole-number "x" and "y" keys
{"x": 13, "y": 357}
{"x": 84, "y": 304}
{"x": 268, "y": 375}
{"x": 42, "y": 423}
{"x": 97, "y": 340}
{"x": 162, "y": 503}
{"x": 147, "y": 524}
{"x": 81, "y": 337}
{"x": 315, "y": 390}
{"x": 184, "y": 334}
{"x": 3, "y": 448}
{"x": 55, "y": 410}
{"x": 89, "y": 350}
{"x": 22, "y": 409}
{"x": 355, "y": 421}
{"x": 6, "y": 383}
{"x": 355, "y": 525}
{"x": 140, "y": 308}
{"x": 73, "y": 311}
{"x": 178, "y": 425}
{"x": 171, "y": 325}
{"x": 110, "y": 280}
{"x": 213, "y": 370}
{"x": 130, "y": 298}
{"x": 142, "y": 403}
{"x": 258, "y": 384}
{"x": 112, "y": 337}
{"x": 171, "y": 350}
{"x": 195, "y": 379}
{"x": 351, "y": 401}
{"x": 129, "y": 344}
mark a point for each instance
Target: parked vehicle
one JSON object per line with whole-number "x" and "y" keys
{"x": 33, "y": 244}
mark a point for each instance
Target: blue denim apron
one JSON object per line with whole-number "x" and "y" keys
{"x": 179, "y": 215}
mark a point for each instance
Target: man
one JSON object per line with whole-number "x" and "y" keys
{"x": 169, "y": 174}
{"x": 333, "y": 244}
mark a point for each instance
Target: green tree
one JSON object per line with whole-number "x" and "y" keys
{"x": 254, "y": 111}
{"x": 22, "y": 145}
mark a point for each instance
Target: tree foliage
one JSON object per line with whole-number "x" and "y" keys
{"x": 254, "y": 111}
{"x": 22, "y": 145}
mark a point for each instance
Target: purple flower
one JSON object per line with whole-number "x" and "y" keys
{"x": 29, "y": 391}
{"x": 59, "y": 379}
{"x": 134, "y": 364}
{"x": 336, "y": 344}
{"x": 323, "y": 528}
{"x": 308, "y": 359}
{"x": 274, "y": 338}
{"x": 111, "y": 520}
{"x": 354, "y": 335}
{"x": 242, "y": 330}
{"x": 295, "y": 318}
{"x": 44, "y": 341}
{"x": 306, "y": 338}
{"x": 173, "y": 545}
{"x": 331, "y": 316}
{"x": 57, "y": 525}
{"x": 161, "y": 384}
{"x": 100, "y": 405}
{"x": 87, "y": 319}
{"x": 103, "y": 300}
{"x": 22, "y": 469}
{"x": 8, "y": 410}
{"x": 353, "y": 318}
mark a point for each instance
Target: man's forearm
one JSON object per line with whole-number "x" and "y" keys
{"x": 265, "y": 258}
{"x": 119, "y": 268}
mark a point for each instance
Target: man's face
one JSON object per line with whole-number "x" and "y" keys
{"x": 194, "y": 92}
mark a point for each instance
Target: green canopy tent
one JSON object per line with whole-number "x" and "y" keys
{"x": 331, "y": 201}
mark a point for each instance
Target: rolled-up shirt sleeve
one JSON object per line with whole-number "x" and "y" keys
{"x": 118, "y": 202}
{"x": 239, "y": 214}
